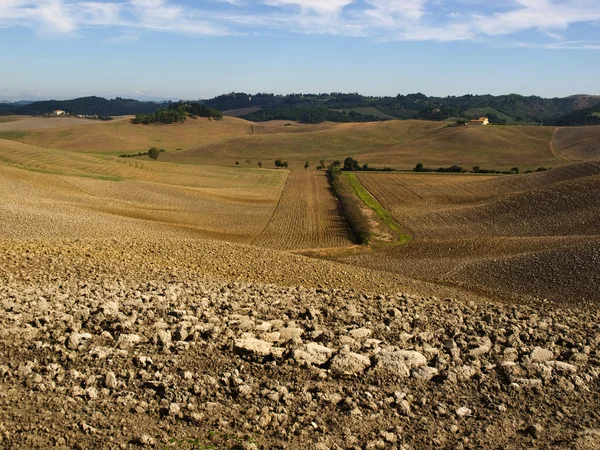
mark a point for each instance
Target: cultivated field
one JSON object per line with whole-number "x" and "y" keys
{"x": 470, "y": 230}
{"x": 42, "y": 202}
{"x": 127, "y": 319}
{"x": 25, "y": 123}
{"x": 121, "y": 136}
{"x": 400, "y": 144}
{"x": 308, "y": 216}
{"x": 578, "y": 143}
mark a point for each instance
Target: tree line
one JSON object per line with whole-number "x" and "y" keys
{"x": 178, "y": 113}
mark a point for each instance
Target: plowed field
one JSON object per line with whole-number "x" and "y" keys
{"x": 308, "y": 216}
{"x": 578, "y": 143}
{"x": 511, "y": 236}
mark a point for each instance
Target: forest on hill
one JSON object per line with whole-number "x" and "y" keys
{"x": 348, "y": 107}
{"x": 84, "y": 105}
{"x": 503, "y": 109}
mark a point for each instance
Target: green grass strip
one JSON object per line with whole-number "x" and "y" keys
{"x": 374, "y": 204}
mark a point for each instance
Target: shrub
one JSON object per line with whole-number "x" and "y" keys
{"x": 351, "y": 206}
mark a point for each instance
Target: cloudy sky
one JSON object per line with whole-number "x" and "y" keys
{"x": 198, "y": 49}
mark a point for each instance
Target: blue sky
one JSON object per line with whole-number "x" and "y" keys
{"x": 198, "y": 49}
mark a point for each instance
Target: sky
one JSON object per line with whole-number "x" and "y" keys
{"x": 171, "y": 49}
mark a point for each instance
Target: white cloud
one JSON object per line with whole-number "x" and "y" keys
{"x": 319, "y": 6}
{"x": 435, "y": 20}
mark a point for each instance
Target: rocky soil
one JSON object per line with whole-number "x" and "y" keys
{"x": 137, "y": 350}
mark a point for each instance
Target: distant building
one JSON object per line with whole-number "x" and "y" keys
{"x": 58, "y": 112}
{"x": 480, "y": 121}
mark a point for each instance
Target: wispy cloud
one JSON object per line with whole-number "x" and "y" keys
{"x": 416, "y": 20}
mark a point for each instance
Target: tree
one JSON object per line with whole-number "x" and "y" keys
{"x": 419, "y": 168}
{"x": 278, "y": 163}
{"x": 515, "y": 170}
{"x": 306, "y": 165}
{"x": 259, "y": 164}
{"x": 153, "y": 153}
{"x": 365, "y": 166}
{"x": 237, "y": 163}
{"x": 351, "y": 164}
{"x": 285, "y": 165}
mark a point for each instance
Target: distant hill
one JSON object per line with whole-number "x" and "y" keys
{"x": 85, "y": 105}
{"x": 349, "y": 107}
{"x": 579, "y": 117}
{"x": 502, "y": 109}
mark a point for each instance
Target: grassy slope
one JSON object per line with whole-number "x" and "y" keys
{"x": 384, "y": 215}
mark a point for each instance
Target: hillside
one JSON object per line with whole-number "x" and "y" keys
{"x": 86, "y": 105}
{"x": 399, "y": 144}
{"x": 511, "y": 108}
{"x": 578, "y": 143}
{"x": 468, "y": 231}
{"x": 580, "y": 117}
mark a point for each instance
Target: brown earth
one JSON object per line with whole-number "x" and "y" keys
{"x": 123, "y": 325}
{"x": 578, "y": 143}
{"x": 132, "y": 344}
{"x": 510, "y": 236}
{"x": 308, "y": 216}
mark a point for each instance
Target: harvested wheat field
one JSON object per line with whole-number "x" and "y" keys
{"x": 26, "y": 123}
{"x": 399, "y": 144}
{"x": 308, "y": 216}
{"x": 121, "y": 136}
{"x": 476, "y": 231}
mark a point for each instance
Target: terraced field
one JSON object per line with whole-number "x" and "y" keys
{"x": 308, "y": 216}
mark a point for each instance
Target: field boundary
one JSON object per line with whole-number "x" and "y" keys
{"x": 371, "y": 201}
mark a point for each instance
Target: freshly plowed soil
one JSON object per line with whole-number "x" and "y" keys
{"x": 123, "y": 344}
{"x": 511, "y": 236}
